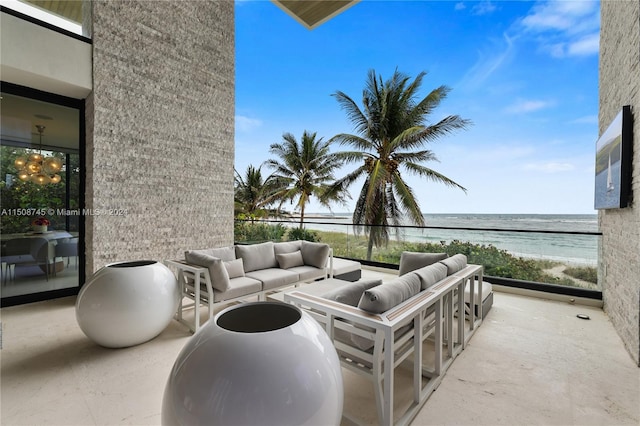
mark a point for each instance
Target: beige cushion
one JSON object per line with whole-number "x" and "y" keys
{"x": 314, "y": 254}
{"x": 342, "y": 266}
{"x": 235, "y": 268}
{"x": 289, "y": 260}
{"x": 257, "y": 256}
{"x": 381, "y": 298}
{"x": 224, "y": 253}
{"x": 429, "y": 275}
{"x": 241, "y": 286}
{"x": 455, "y": 263}
{"x": 273, "y": 277}
{"x": 410, "y": 261}
{"x": 487, "y": 288}
{"x": 217, "y": 271}
{"x": 286, "y": 247}
{"x": 350, "y": 293}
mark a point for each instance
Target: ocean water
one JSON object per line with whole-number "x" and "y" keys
{"x": 499, "y": 231}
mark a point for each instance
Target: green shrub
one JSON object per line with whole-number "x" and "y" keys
{"x": 302, "y": 234}
{"x": 251, "y": 232}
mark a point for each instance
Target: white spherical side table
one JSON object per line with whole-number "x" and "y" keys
{"x": 263, "y": 363}
{"x": 127, "y": 303}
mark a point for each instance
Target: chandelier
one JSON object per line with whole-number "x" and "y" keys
{"x": 37, "y": 168}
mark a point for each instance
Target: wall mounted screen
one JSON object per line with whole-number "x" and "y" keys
{"x": 613, "y": 163}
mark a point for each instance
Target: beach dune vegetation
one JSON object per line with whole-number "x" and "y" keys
{"x": 497, "y": 262}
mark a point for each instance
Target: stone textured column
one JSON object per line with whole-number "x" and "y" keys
{"x": 619, "y": 270}
{"x": 160, "y": 130}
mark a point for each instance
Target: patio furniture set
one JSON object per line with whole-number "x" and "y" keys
{"x": 423, "y": 318}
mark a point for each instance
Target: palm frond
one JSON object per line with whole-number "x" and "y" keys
{"x": 432, "y": 175}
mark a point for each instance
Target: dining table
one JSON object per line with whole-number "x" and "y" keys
{"x": 52, "y": 237}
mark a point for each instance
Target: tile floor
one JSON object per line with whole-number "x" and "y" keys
{"x": 532, "y": 362}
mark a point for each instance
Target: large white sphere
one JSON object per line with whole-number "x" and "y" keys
{"x": 127, "y": 303}
{"x": 258, "y": 363}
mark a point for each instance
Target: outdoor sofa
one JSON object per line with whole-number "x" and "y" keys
{"x": 377, "y": 326}
{"x": 237, "y": 272}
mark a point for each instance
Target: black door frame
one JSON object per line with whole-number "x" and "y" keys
{"x": 79, "y": 104}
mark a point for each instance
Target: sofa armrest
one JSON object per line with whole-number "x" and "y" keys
{"x": 199, "y": 275}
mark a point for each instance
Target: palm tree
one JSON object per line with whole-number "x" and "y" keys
{"x": 252, "y": 194}
{"x": 392, "y": 130}
{"x": 306, "y": 169}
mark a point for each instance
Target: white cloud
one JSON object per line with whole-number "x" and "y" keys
{"x": 550, "y": 167}
{"x": 483, "y": 8}
{"x": 564, "y": 28}
{"x": 525, "y": 106}
{"x": 587, "y": 45}
{"x": 246, "y": 124}
{"x": 562, "y": 16}
{"x": 460, "y": 6}
{"x": 486, "y": 65}
{"x": 587, "y": 119}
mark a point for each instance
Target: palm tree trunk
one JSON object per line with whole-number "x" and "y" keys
{"x": 302, "y": 216}
{"x": 370, "y": 246}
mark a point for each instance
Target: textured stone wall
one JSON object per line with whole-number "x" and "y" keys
{"x": 160, "y": 138}
{"x": 620, "y": 248}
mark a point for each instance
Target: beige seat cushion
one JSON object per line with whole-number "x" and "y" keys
{"x": 308, "y": 273}
{"x": 486, "y": 290}
{"x": 273, "y": 277}
{"x": 238, "y": 287}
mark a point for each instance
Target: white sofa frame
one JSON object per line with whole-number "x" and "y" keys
{"x": 394, "y": 341}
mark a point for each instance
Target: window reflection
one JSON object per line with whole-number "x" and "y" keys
{"x": 38, "y": 229}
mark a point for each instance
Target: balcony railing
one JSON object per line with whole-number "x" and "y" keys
{"x": 555, "y": 258}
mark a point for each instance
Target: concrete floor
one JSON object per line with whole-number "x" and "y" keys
{"x": 532, "y": 362}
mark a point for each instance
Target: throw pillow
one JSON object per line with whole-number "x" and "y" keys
{"x": 314, "y": 254}
{"x": 429, "y": 275}
{"x": 217, "y": 271}
{"x": 410, "y": 261}
{"x": 289, "y": 260}
{"x": 455, "y": 263}
{"x": 235, "y": 268}
{"x": 384, "y": 297}
{"x": 350, "y": 294}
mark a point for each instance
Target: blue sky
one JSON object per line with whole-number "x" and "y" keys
{"x": 525, "y": 73}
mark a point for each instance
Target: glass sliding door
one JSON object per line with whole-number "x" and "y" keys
{"x": 41, "y": 203}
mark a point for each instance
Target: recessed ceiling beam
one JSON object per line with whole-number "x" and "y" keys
{"x": 312, "y": 13}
